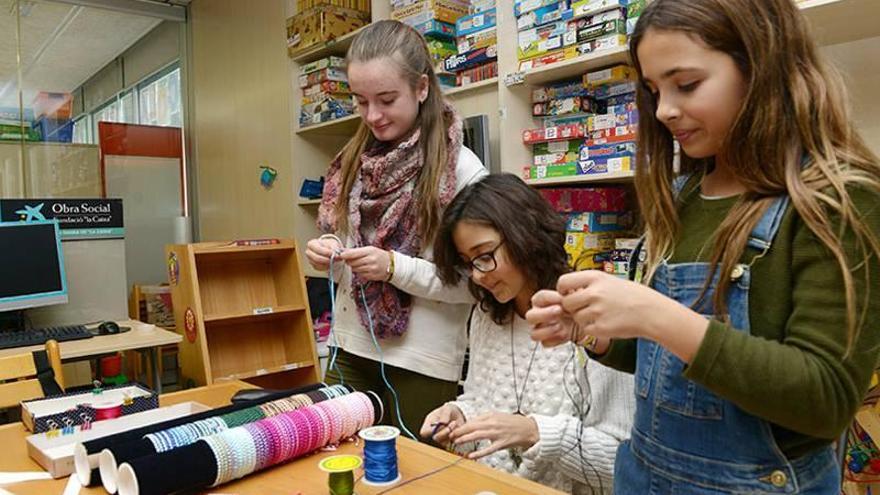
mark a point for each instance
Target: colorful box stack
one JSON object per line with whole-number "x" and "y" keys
{"x": 588, "y": 126}
{"x": 554, "y": 30}
{"x": 596, "y": 218}
{"x": 476, "y": 57}
{"x": 325, "y": 92}
{"x": 320, "y": 21}
{"x": 435, "y": 20}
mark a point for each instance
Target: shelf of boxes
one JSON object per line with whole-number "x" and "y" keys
{"x": 575, "y": 67}
{"x": 337, "y": 47}
{"x": 467, "y": 88}
{"x": 574, "y": 180}
{"x": 344, "y": 126}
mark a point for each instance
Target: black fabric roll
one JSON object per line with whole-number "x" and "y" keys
{"x": 195, "y": 467}
{"x": 97, "y": 445}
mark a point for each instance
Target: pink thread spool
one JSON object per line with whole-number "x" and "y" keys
{"x": 107, "y": 409}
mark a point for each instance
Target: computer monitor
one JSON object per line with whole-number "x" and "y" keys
{"x": 31, "y": 265}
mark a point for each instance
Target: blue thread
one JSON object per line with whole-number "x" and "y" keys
{"x": 334, "y": 347}
{"x": 380, "y": 461}
{"x": 382, "y": 367}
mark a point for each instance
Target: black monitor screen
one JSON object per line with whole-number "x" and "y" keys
{"x": 29, "y": 261}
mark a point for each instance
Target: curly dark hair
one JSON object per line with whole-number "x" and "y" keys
{"x": 533, "y": 235}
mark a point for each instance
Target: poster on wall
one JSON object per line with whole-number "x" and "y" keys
{"x": 79, "y": 219}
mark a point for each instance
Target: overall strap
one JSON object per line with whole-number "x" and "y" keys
{"x": 762, "y": 235}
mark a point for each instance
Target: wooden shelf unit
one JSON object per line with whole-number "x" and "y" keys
{"x": 248, "y": 310}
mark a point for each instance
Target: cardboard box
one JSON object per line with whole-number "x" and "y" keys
{"x": 602, "y": 29}
{"x": 54, "y": 130}
{"x": 573, "y": 146}
{"x": 326, "y": 87}
{"x": 614, "y": 134}
{"x": 552, "y": 171}
{"x": 603, "y": 43}
{"x": 607, "y": 150}
{"x": 544, "y": 39}
{"x": 608, "y": 90}
{"x": 331, "y": 62}
{"x": 480, "y": 39}
{"x": 610, "y": 120}
{"x": 313, "y": 78}
{"x": 440, "y": 10}
{"x": 320, "y": 25}
{"x": 635, "y": 8}
{"x": 559, "y": 106}
{"x": 553, "y": 12}
{"x": 558, "y": 90}
{"x": 593, "y": 222}
{"x": 435, "y": 28}
{"x": 361, "y": 5}
{"x": 471, "y": 59}
{"x": 605, "y": 165}
{"x": 565, "y": 199}
{"x": 473, "y": 23}
{"x": 476, "y": 74}
{"x": 591, "y": 7}
{"x": 56, "y": 453}
{"x": 521, "y": 7}
{"x": 546, "y": 134}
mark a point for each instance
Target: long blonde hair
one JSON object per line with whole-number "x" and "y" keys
{"x": 793, "y": 136}
{"x": 406, "y": 48}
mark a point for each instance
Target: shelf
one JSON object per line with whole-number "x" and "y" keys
{"x": 309, "y": 202}
{"x": 206, "y": 248}
{"x": 344, "y": 126}
{"x": 842, "y": 21}
{"x": 266, "y": 371}
{"x": 583, "y": 179}
{"x": 240, "y": 317}
{"x": 467, "y": 88}
{"x": 337, "y": 47}
{"x": 575, "y": 67}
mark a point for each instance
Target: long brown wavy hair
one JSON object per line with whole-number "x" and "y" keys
{"x": 407, "y": 50}
{"x": 793, "y": 136}
{"x": 533, "y": 236}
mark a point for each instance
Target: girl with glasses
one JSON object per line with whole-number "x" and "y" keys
{"x": 543, "y": 414}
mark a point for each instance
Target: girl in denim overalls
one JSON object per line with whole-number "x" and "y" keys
{"x": 749, "y": 323}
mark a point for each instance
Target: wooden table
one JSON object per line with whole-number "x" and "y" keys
{"x": 141, "y": 336}
{"x": 300, "y": 476}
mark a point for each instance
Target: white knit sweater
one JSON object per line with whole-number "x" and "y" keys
{"x": 551, "y": 397}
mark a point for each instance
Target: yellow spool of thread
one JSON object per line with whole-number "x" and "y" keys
{"x": 341, "y": 470}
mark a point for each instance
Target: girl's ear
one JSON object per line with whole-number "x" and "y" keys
{"x": 422, "y": 88}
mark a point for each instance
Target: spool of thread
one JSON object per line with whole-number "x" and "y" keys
{"x": 380, "y": 455}
{"x": 341, "y": 473}
{"x": 107, "y": 410}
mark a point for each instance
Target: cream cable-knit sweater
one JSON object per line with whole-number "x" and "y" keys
{"x": 608, "y": 405}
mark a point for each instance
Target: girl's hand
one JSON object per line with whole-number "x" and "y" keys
{"x": 502, "y": 430}
{"x": 439, "y": 422}
{"x": 609, "y": 307}
{"x": 318, "y": 252}
{"x": 551, "y": 325}
{"x": 369, "y": 262}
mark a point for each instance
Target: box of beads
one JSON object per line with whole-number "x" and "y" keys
{"x": 73, "y": 409}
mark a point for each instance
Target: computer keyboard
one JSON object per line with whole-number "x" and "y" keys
{"x": 39, "y": 336}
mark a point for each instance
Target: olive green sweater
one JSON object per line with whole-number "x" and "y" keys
{"x": 791, "y": 370}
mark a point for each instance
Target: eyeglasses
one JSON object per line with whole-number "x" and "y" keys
{"x": 483, "y": 263}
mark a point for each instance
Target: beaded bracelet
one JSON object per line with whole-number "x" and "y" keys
{"x": 276, "y": 440}
{"x": 218, "y": 447}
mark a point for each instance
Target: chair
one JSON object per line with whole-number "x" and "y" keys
{"x": 15, "y": 386}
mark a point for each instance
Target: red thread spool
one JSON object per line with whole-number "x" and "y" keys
{"x": 107, "y": 410}
{"x": 111, "y": 366}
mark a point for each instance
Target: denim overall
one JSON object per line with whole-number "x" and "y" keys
{"x": 687, "y": 440}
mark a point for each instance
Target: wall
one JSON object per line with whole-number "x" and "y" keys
{"x": 240, "y": 118}
{"x": 857, "y": 63}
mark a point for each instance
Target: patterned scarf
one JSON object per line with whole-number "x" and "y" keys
{"x": 383, "y": 212}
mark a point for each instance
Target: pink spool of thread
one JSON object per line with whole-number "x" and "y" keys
{"x": 107, "y": 410}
